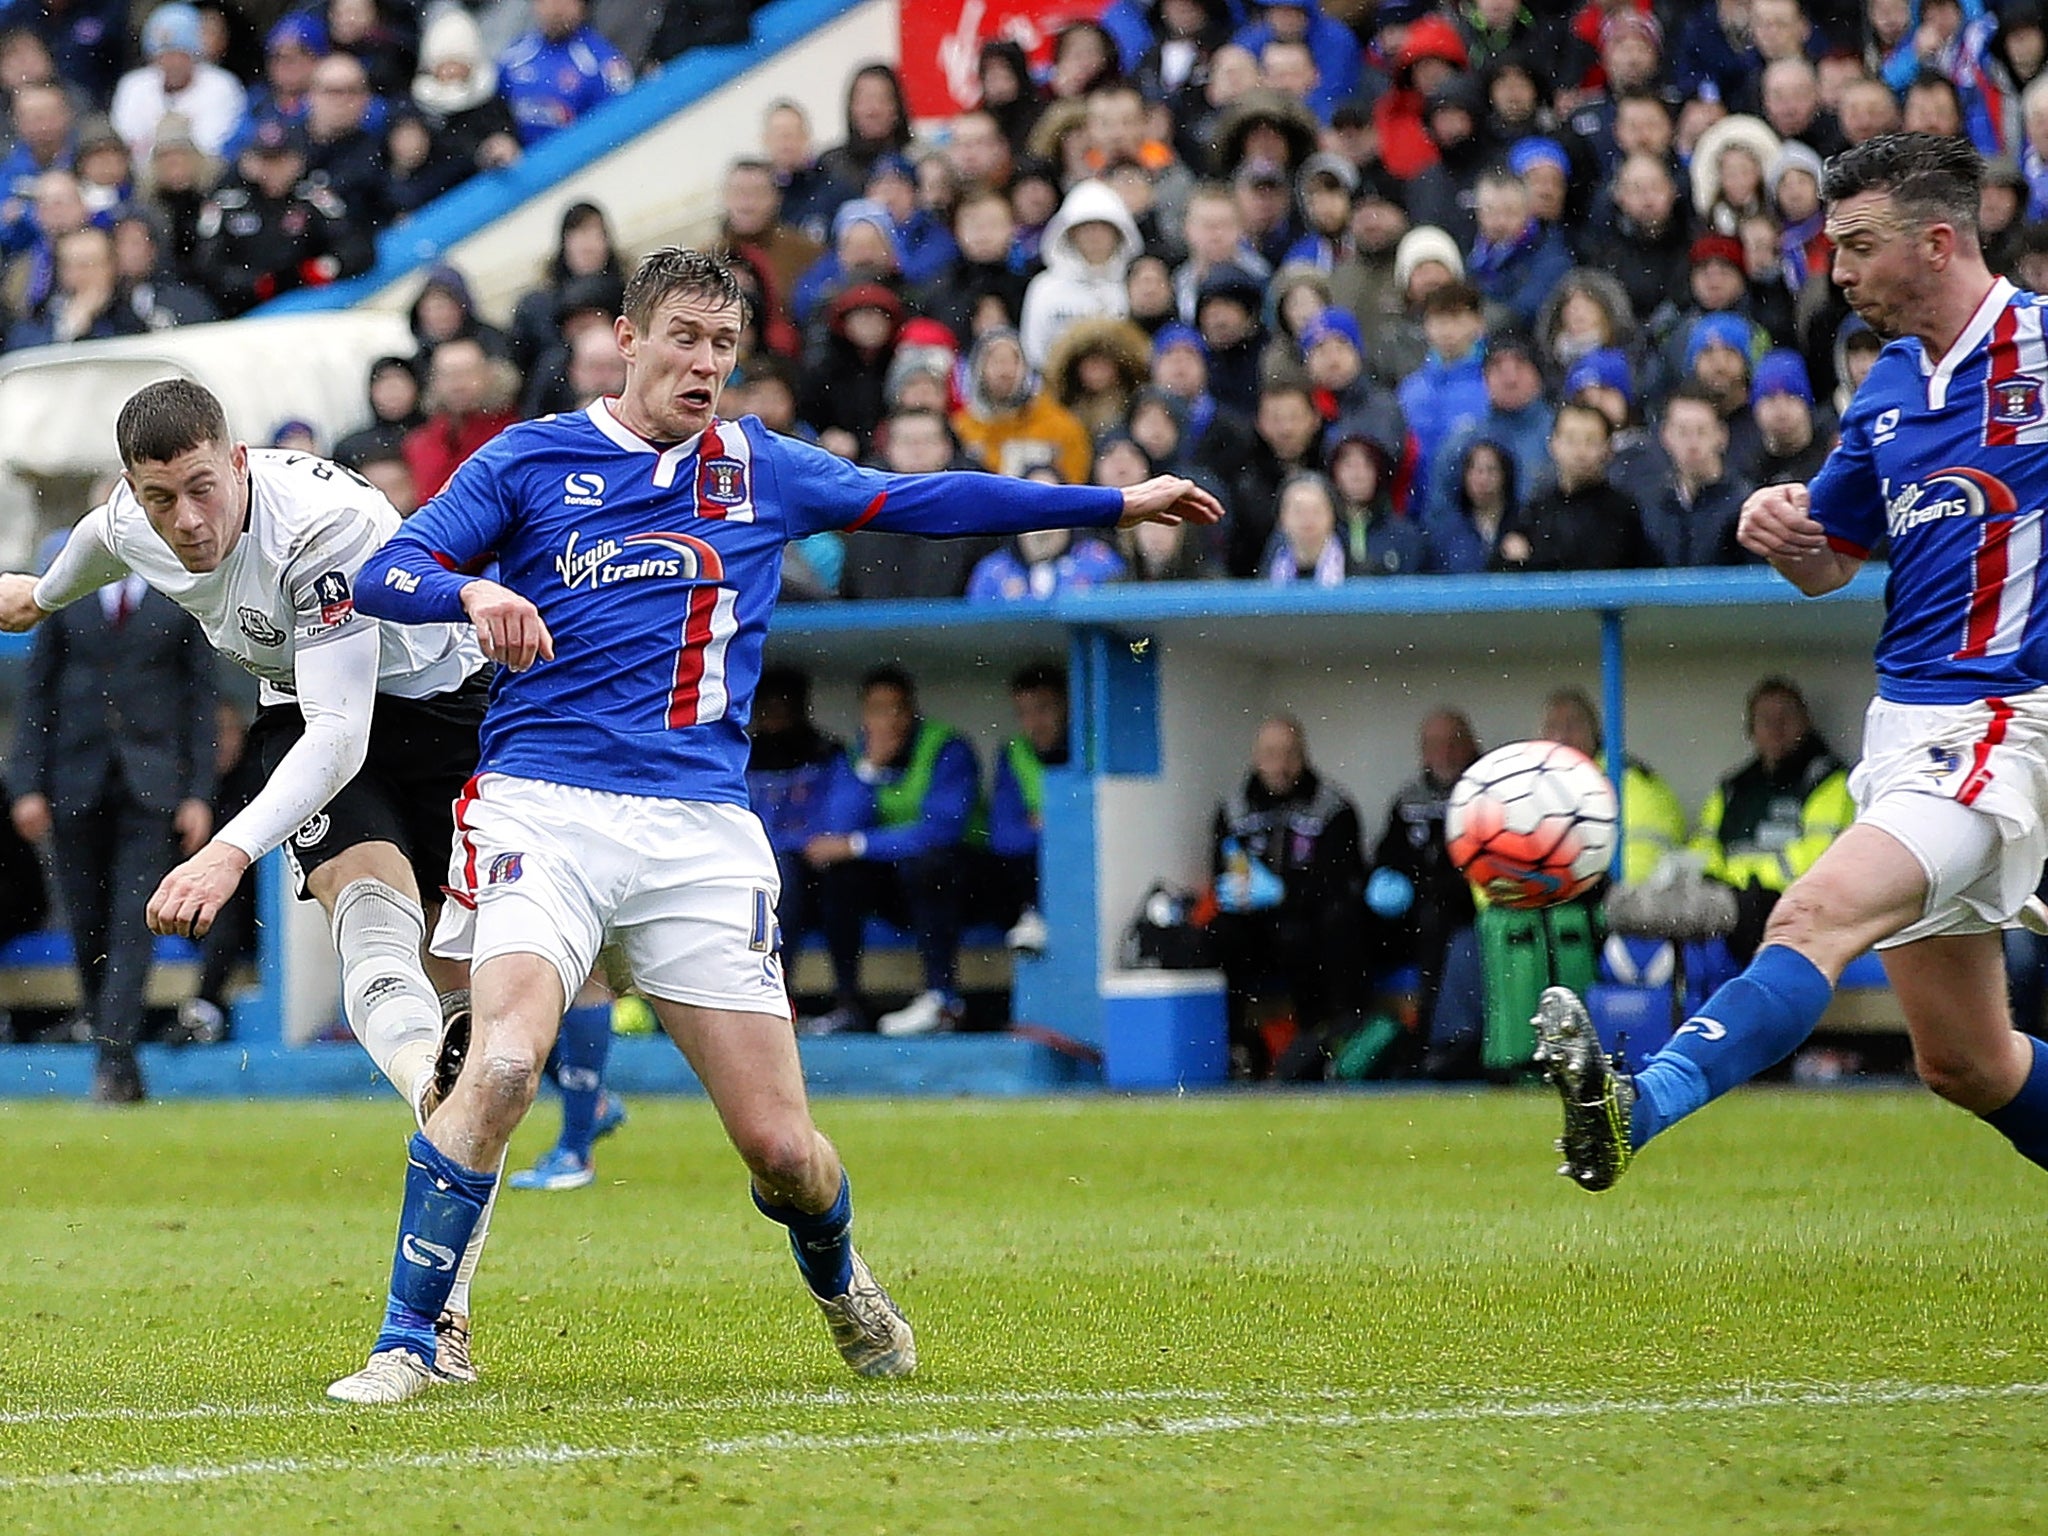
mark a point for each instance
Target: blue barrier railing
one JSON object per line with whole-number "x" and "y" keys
{"x": 490, "y": 195}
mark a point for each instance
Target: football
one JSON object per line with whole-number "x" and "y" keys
{"x": 1532, "y": 824}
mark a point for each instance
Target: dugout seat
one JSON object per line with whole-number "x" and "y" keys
{"x": 37, "y": 971}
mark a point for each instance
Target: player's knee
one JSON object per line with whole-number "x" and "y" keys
{"x": 778, "y": 1156}
{"x": 508, "y": 1076}
{"x": 1957, "y": 1077}
{"x": 1802, "y": 920}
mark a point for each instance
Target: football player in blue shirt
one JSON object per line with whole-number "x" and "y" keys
{"x": 1944, "y": 451}
{"x": 639, "y": 544}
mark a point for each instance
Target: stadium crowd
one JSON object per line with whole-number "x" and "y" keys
{"x": 1413, "y": 289}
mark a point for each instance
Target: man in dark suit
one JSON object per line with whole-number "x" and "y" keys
{"x": 113, "y": 760}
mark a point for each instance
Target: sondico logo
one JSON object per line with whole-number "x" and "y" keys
{"x": 1958, "y": 492}
{"x": 1707, "y": 1029}
{"x": 417, "y": 1250}
{"x": 581, "y": 490}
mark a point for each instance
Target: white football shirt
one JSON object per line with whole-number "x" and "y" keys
{"x": 288, "y": 584}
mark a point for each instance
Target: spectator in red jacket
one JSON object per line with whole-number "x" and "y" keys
{"x": 468, "y": 405}
{"x": 1431, "y": 53}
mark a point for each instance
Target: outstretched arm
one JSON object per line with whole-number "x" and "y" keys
{"x": 85, "y": 564}
{"x": 1777, "y": 523}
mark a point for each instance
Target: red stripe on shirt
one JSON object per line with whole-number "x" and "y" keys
{"x": 873, "y": 510}
{"x": 467, "y": 895}
{"x": 682, "y": 697}
{"x": 2004, "y": 365}
{"x": 1980, "y": 758}
{"x": 1989, "y": 577}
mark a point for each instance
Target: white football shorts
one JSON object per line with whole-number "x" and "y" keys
{"x": 1965, "y": 788}
{"x": 686, "y": 888}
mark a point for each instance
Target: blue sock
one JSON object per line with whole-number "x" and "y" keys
{"x": 442, "y": 1202}
{"x": 2024, "y": 1122}
{"x": 1747, "y": 1027}
{"x": 580, "y": 1051}
{"x": 822, "y": 1243}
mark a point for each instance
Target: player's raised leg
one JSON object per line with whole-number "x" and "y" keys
{"x": 1865, "y": 888}
{"x": 451, "y": 1168}
{"x": 748, "y": 1063}
{"x": 1965, "y": 1048}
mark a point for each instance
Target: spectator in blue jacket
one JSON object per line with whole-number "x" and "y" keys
{"x": 1033, "y": 567}
{"x": 1331, "y": 43}
{"x": 294, "y": 46}
{"x": 1518, "y": 259}
{"x": 1517, "y": 417}
{"x": 45, "y": 139}
{"x": 559, "y": 71}
{"x": 863, "y": 240}
{"x": 927, "y": 246}
{"x": 1016, "y": 811}
{"x": 1716, "y": 58}
{"x": 789, "y": 775}
{"x": 900, "y": 809}
{"x": 1482, "y": 497}
{"x": 1449, "y": 390}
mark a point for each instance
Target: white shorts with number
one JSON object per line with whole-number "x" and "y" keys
{"x": 687, "y": 888}
{"x": 1965, "y": 788}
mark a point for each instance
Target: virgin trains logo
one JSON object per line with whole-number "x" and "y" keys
{"x": 641, "y": 557}
{"x": 1958, "y": 492}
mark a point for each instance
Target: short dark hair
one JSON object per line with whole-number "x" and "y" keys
{"x": 1587, "y": 409}
{"x": 675, "y": 271}
{"x": 1932, "y": 178}
{"x": 889, "y": 675}
{"x": 790, "y": 685}
{"x": 1776, "y": 685}
{"x": 161, "y": 421}
{"x": 1040, "y": 677}
{"x": 1457, "y": 297}
{"x": 1696, "y": 393}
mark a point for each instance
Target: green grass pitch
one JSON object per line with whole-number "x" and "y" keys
{"x": 1242, "y": 1314}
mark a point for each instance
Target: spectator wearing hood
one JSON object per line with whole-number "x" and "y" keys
{"x": 469, "y": 127}
{"x": 1329, "y": 42}
{"x": 1009, "y": 94}
{"x": 1445, "y": 194}
{"x": 925, "y": 370}
{"x": 1431, "y": 52}
{"x": 444, "y": 311}
{"x": 561, "y": 70}
{"x": 1517, "y": 260}
{"x": 1178, "y": 41}
{"x": 1088, "y": 245}
{"x": 1228, "y": 309}
{"x": 1447, "y": 391}
{"x": 1324, "y": 189}
{"x": 1296, "y": 296}
{"x": 1011, "y": 425}
{"x": 1264, "y": 127}
{"x": 1588, "y": 311}
{"x": 1379, "y": 538}
{"x": 864, "y": 249}
{"x": 845, "y": 391}
{"x": 1260, "y": 189}
{"x": 1096, "y": 366}
{"x": 393, "y": 396}
{"x": 1477, "y": 502}
{"x": 149, "y": 285}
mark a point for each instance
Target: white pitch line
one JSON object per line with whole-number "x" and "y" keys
{"x": 1219, "y": 1423}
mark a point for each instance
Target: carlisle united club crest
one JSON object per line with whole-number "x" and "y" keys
{"x": 723, "y": 482}
{"x": 505, "y": 868}
{"x": 2016, "y": 402}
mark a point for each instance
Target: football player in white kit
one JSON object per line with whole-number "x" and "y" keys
{"x": 367, "y": 731}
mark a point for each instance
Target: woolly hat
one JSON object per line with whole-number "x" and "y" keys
{"x": 1605, "y": 368}
{"x": 1331, "y": 322}
{"x": 1721, "y": 330}
{"x": 1538, "y": 150}
{"x": 1782, "y": 372}
{"x": 1174, "y": 334}
{"x": 1425, "y": 243}
{"x": 1795, "y": 156}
